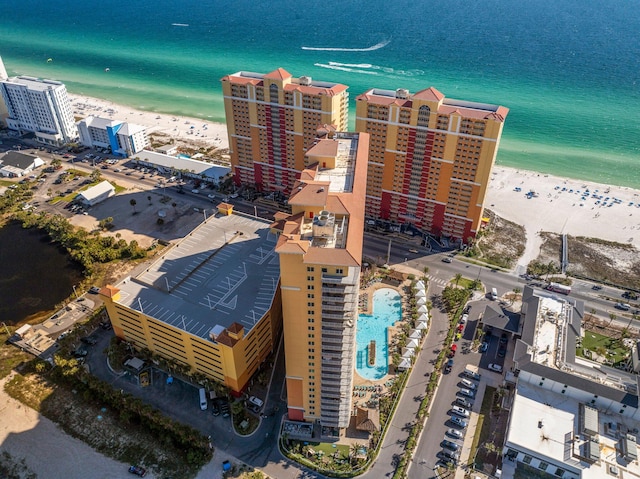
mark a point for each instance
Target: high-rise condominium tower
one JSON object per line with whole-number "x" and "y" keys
{"x": 430, "y": 158}
{"x": 272, "y": 120}
{"x": 320, "y": 249}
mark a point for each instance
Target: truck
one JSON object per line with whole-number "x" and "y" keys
{"x": 559, "y": 288}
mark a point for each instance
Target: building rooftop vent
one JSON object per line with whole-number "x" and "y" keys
{"x": 402, "y": 93}
{"x": 305, "y": 80}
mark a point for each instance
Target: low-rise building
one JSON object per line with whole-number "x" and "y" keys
{"x": 16, "y": 163}
{"x": 122, "y": 138}
{"x": 183, "y": 167}
{"x": 96, "y": 194}
{"x": 571, "y": 417}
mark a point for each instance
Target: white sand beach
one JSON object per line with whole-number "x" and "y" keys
{"x": 562, "y": 205}
{"x": 192, "y": 130}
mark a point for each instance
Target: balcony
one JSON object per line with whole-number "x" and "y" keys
{"x": 345, "y": 289}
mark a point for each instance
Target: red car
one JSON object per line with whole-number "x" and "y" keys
{"x": 460, "y": 327}
{"x": 454, "y": 348}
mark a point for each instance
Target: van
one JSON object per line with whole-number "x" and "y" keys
{"x": 494, "y": 294}
{"x": 471, "y": 374}
{"x": 203, "y": 399}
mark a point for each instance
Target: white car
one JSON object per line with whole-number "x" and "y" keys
{"x": 460, "y": 411}
{"x": 211, "y": 196}
{"x": 464, "y": 318}
{"x": 454, "y": 433}
{"x": 195, "y": 192}
{"x": 495, "y": 367}
{"x": 467, "y": 392}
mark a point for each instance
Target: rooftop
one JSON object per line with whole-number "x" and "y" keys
{"x": 183, "y": 164}
{"x": 546, "y": 424}
{"x": 34, "y": 83}
{"x": 304, "y": 84}
{"x": 467, "y": 109}
{"x": 224, "y": 271}
{"x": 18, "y": 159}
{"x": 551, "y": 329}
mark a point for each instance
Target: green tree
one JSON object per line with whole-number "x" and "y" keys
{"x": 95, "y": 176}
{"x": 457, "y": 278}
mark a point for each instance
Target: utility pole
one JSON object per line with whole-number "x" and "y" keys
{"x": 389, "y": 252}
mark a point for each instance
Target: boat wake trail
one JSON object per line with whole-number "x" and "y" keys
{"x": 368, "y": 69}
{"x": 377, "y": 46}
{"x": 180, "y": 24}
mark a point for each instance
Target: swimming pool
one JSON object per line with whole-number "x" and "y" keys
{"x": 387, "y": 309}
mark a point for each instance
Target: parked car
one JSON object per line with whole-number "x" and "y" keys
{"x": 450, "y": 445}
{"x": 454, "y": 348}
{"x": 449, "y": 454}
{"x": 94, "y": 290}
{"x": 138, "y": 470}
{"x": 502, "y": 351}
{"x": 215, "y": 409}
{"x": 467, "y": 309}
{"x": 457, "y": 421}
{"x": 467, "y": 393}
{"x": 495, "y": 367}
{"x": 460, "y": 411}
{"x": 483, "y": 347}
{"x": 105, "y": 325}
{"x": 446, "y": 259}
{"x": 80, "y": 352}
{"x": 454, "y": 433}
{"x": 211, "y": 196}
{"x": 448, "y": 366}
{"x": 463, "y": 402}
{"x": 503, "y": 338}
{"x": 90, "y": 340}
{"x": 468, "y": 384}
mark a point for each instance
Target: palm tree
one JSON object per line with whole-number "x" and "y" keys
{"x": 457, "y": 278}
{"x": 133, "y": 203}
{"x": 612, "y": 317}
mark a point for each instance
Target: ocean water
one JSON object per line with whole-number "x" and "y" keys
{"x": 569, "y": 71}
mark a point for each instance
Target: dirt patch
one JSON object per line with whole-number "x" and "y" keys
{"x": 501, "y": 243}
{"x": 153, "y": 216}
{"x": 596, "y": 259}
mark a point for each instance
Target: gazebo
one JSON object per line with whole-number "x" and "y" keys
{"x": 367, "y": 419}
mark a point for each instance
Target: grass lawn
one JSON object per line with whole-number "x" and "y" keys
{"x": 483, "y": 430}
{"x": 603, "y": 345}
{"x": 10, "y": 356}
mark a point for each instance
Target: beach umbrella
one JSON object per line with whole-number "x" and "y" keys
{"x": 420, "y": 285}
{"x": 421, "y": 326}
{"x": 413, "y": 344}
{"x": 421, "y": 301}
{"x": 422, "y": 309}
{"x": 421, "y": 294}
{"x": 423, "y": 317}
{"x": 404, "y": 364}
{"x": 415, "y": 334}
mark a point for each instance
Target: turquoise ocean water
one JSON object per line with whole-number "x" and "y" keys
{"x": 569, "y": 71}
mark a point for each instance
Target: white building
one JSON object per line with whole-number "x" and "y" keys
{"x": 184, "y": 167}
{"x": 16, "y": 163}
{"x": 123, "y": 139}
{"x": 38, "y": 106}
{"x": 96, "y": 194}
{"x": 571, "y": 417}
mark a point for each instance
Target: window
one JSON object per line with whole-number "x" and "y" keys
{"x": 543, "y": 465}
{"x": 324, "y": 270}
{"x": 311, "y": 335}
{"x": 559, "y": 472}
{"x": 310, "y": 320}
{"x": 339, "y": 271}
{"x": 311, "y": 328}
{"x": 311, "y": 312}
{"x": 309, "y": 278}
{"x": 309, "y": 286}
{"x": 311, "y": 295}
{"x": 527, "y": 459}
{"x": 310, "y": 269}
{"x": 311, "y": 305}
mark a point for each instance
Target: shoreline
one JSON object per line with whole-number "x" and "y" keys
{"x": 554, "y": 209}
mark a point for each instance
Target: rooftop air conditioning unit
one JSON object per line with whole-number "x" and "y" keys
{"x": 305, "y": 81}
{"x": 402, "y": 93}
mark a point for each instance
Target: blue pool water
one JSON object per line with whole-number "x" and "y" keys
{"x": 183, "y": 156}
{"x": 387, "y": 309}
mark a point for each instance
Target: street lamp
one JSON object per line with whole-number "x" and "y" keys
{"x": 74, "y": 291}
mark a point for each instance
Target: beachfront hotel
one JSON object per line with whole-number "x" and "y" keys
{"x": 430, "y": 158}
{"x": 272, "y": 120}
{"x": 571, "y": 417}
{"x": 210, "y": 303}
{"x": 121, "y": 138}
{"x": 320, "y": 249}
{"x": 38, "y": 106}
